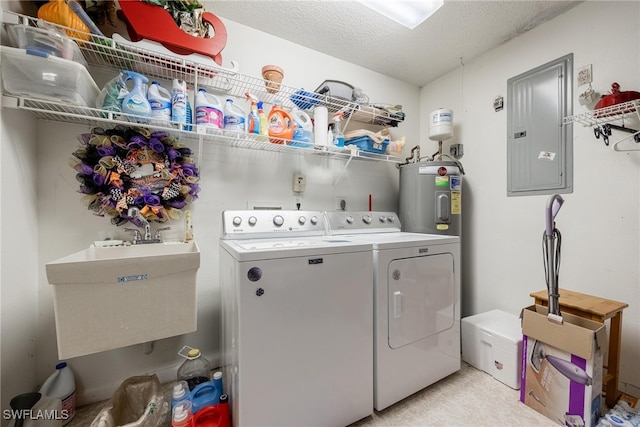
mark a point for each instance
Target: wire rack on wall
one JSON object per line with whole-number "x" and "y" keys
{"x": 616, "y": 117}
{"x": 107, "y": 52}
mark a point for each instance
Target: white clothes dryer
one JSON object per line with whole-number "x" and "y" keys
{"x": 416, "y": 288}
{"x": 297, "y": 320}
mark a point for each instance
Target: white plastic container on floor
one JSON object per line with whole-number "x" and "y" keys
{"x": 492, "y": 342}
{"x": 62, "y": 385}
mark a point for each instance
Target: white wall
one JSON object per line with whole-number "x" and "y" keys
{"x": 40, "y": 196}
{"x": 502, "y": 249}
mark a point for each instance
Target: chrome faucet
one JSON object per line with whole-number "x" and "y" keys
{"x": 147, "y": 238}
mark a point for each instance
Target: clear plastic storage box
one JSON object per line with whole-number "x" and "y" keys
{"x": 44, "y": 41}
{"x": 50, "y": 78}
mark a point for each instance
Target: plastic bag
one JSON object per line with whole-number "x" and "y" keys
{"x": 112, "y": 94}
{"x": 138, "y": 402}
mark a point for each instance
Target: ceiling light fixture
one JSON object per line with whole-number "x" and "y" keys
{"x": 407, "y": 13}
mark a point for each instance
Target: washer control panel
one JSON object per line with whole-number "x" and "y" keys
{"x": 362, "y": 222}
{"x": 271, "y": 223}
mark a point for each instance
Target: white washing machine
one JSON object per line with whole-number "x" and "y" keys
{"x": 416, "y": 288}
{"x": 297, "y": 320}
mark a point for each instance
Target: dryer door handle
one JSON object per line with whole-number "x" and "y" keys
{"x": 398, "y": 304}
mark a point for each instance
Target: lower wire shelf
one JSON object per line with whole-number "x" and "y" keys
{"x": 67, "y": 113}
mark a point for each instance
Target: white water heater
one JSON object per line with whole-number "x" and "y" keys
{"x": 441, "y": 124}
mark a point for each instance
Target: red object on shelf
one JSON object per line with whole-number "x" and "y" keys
{"x": 616, "y": 97}
{"x": 146, "y": 21}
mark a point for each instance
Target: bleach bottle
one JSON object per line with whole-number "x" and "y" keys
{"x": 62, "y": 385}
{"x": 234, "y": 117}
{"x": 303, "y": 130}
{"x": 160, "y": 101}
{"x": 136, "y": 100}
{"x": 209, "y": 110}
{"x": 179, "y": 99}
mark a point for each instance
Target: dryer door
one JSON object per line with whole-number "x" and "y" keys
{"x": 421, "y": 298}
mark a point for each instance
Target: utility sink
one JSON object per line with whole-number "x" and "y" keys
{"x": 111, "y": 297}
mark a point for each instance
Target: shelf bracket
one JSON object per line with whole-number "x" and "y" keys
{"x": 335, "y": 183}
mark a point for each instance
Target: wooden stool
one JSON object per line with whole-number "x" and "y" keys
{"x": 599, "y": 310}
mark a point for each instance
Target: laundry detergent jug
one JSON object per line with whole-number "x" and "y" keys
{"x": 234, "y": 117}
{"x": 303, "y": 131}
{"x": 281, "y": 125}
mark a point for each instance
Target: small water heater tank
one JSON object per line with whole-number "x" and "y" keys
{"x": 431, "y": 197}
{"x": 441, "y": 124}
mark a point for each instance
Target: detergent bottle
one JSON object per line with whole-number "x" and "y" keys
{"x": 61, "y": 384}
{"x": 136, "y": 100}
{"x": 303, "y": 130}
{"x": 234, "y": 117}
{"x": 281, "y": 124}
{"x": 208, "y": 110}
{"x": 179, "y": 98}
{"x": 263, "y": 120}
{"x": 160, "y": 101}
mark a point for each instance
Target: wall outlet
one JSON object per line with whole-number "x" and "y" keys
{"x": 341, "y": 203}
{"x": 299, "y": 183}
{"x": 584, "y": 75}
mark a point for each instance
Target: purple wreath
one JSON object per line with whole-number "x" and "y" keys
{"x": 128, "y": 167}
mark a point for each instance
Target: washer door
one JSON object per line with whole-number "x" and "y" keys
{"x": 421, "y": 298}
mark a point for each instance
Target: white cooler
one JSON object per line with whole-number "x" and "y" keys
{"x": 492, "y": 342}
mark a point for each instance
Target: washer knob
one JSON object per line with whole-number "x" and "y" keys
{"x": 349, "y": 219}
{"x": 314, "y": 220}
{"x": 278, "y": 220}
{"x": 383, "y": 218}
{"x": 253, "y": 220}
{"x": 237, "y": 221}
{"x": 391, "y": 218}
{"x": 302, "y": 220}
{"x": 366, "y": 219}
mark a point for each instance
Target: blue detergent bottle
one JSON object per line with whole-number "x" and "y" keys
{"x": 135, "y": 102}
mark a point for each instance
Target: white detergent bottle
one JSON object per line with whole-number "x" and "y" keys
{"x": 160, "y": 100}
{"x": 135, "y": 102}
{"x": 234, "y": 117}
{"x": 209, "y": 110}
{"x": 61, "y": 384}
{"x": 179, "y": 101}
{"x": 303, "y": 130}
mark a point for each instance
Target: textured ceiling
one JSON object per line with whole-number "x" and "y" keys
{"x": 457, "y": 32}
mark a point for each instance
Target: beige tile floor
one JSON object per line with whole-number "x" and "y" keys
{"x": 468, "y": 397}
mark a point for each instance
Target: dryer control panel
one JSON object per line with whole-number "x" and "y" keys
{"x": 256, "y": 224}
{"x": 362, "y": 222}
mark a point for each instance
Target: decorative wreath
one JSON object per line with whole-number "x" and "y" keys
{"x": 132, "y": 167}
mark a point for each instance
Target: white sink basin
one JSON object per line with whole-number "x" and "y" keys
{"x": 111, "y": 297}
{"x": 112, "y": 264}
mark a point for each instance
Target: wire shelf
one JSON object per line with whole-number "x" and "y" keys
{"x": 601, "y": 120}
{"x": 107, "y": 52}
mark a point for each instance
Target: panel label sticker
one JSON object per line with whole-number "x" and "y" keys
{"x": 442, "y": 181}
{"x": 456, "y": 183}
{"x": 546, "y": 155}
{"x": 456, "y": 202}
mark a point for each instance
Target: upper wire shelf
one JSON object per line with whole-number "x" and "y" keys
{"x": 106, "y": 52}
{"x": 604, "y": 119}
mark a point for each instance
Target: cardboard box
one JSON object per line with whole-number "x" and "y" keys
{"x": 492, "y": 342}
{"x": 562, "y": 367}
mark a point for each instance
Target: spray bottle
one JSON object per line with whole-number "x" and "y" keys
{"x": 136, "y": 100}
{"x": 338, "y": 132}
{"x": 253, "y": 120}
